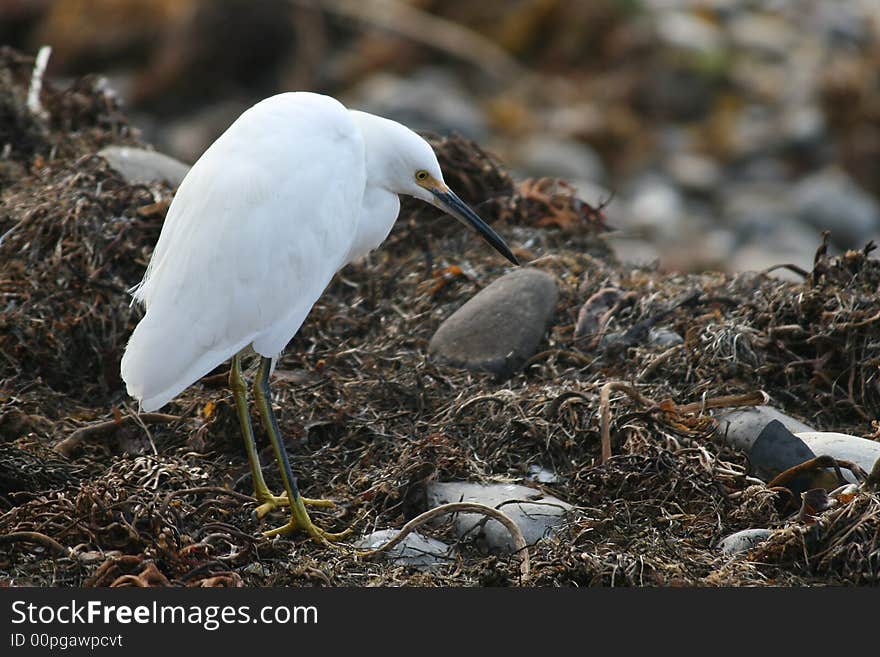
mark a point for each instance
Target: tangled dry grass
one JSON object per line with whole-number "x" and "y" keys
{"x": 165, "y": 499}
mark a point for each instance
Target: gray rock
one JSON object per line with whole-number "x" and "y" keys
{"x": 428, "y": 99}
{"x": 616, "y": 341}
{"x": 803, "y": 124}
{"x": 742, "y": 426}
{"x": 756, "y": 208}
{"x": 763, "y": 216}
{"x": 688, "y": 31}
{"x": 697, "y": 173}
{"x": 764, "y": 33}
{"x": 716, "y": 246}
{"x": 534, "y": 513}
{"x": 842, "y": 446}
{"x": 759, "y": 168}
{"x": 542, "y": 475}
{"x": 546, "y": 155}
{"x": 831, "y": 200}
{"x": 415, "y": 551}
{"x": 754, "y": 132}
{"x": 500, "y": 327}
{"x": 634, "y": 250}
{"x": 255, "y": 568}
{"x": 139, "y": 166}
{"x": 743, "y": 541}
{"x": 844, "y": 23}
{"x": 596, "y": 194}
{"x": 658, "y": 205}
{"x": 664, "y": 337}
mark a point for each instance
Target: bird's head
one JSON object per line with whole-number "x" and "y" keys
{"x": 408, "y": 165}
{"x": 431, "y": 188}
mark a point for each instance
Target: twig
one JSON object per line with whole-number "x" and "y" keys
{"x": 605, "y": 411}
{"x": 559, "y": 353}
{"x": 659, "y": 360}
{"x": 73, "y": 441}
{"x": 756, "y": 398}
{"x": 13, "y": 229}
{"x": 791, "y": 267}
{"x": 501, "y": 397}
{"x": 519, "y": 540}
{"x": 858, "y": 324}
{"x": 725, "y": 401}
{"x": 33, "y": 97}
{"x": 133, "y": 415}
{"x": 785, "y": 477}
{"x": 35, "y": 537}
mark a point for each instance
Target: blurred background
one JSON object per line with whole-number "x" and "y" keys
{"x": 730, "y": 132}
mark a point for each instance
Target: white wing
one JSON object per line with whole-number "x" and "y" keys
{"x": 253, "y": 236}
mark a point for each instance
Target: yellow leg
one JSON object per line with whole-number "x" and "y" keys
{"x": 267, "y": 501}
{"x": 299, "y": 516}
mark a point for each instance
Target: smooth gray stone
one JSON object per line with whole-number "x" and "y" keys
{"x": 429, "y": 98}
{"x": 741, "y": 427}
{"x": 617, "y": 341}
{"x": 500, "y": 327}
{"x": 687, "y": 30}
{"x": 656, "y": 205}
{"x": 664, "y": 337}
{"x": 842, "y": 446}
{"x": 543, "y": 475}
{"x": 415, "y": 550}
{"x": 547, "y": 155}
{"x": 743, "y": 541}
{"x": 533, "y": 512}
{"x": 139, "y": 166}
{"x": 831, "y": 200}
{"x": 694, "y": 172}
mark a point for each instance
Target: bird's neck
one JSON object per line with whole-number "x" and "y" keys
{"x": 381, "y": 149}
{"x": 379, "y": 211}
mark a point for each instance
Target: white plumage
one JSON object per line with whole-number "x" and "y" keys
{"x": 236, "y": 262}
{"x": 296, "y": 188}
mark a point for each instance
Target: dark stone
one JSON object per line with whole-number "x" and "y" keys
{"x": 777, "y": 449}
{"x": 500, "y": 327}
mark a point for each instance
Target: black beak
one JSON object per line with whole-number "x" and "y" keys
{"x": 448, "y": 200}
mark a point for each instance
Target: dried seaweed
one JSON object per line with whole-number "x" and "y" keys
{"x": 369, "y": 420}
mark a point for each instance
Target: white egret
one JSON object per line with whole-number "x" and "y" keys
{"x": 295, "y": 189}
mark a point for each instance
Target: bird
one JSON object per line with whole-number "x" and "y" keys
{"x": 297, "y": 187}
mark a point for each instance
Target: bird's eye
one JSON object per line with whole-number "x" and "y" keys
{"x": 421, "y": 175}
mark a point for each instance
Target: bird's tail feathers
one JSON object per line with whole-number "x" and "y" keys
{"x": 157, "y": 368}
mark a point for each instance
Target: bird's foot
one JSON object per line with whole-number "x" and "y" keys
{"x": 269, "y": 503}
{"x": 300, "y": 521}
